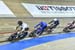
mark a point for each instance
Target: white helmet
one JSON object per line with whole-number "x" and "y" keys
{"x": 55, "y": 19}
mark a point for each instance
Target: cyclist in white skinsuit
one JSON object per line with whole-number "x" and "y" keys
{"x": 22, "y": 27}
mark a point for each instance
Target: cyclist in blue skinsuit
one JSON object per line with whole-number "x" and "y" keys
{"x": 42, "y": 25}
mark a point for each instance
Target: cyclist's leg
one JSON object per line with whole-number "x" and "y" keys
{"x": 24, "y": 34}
{"x": 37, "y": 32}
{"x": 42, "y": 29}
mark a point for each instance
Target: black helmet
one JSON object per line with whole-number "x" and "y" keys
{"x": 20, "y": 22}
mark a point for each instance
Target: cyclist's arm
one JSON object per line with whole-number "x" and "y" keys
{"x": 18, "y": 29}
{"x": 36, "y": 25}
{"x": 50, "y": 22}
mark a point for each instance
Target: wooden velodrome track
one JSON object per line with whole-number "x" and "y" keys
{"x": 8, "y": 25}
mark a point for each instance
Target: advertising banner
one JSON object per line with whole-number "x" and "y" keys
{"x": 40, "y": 10}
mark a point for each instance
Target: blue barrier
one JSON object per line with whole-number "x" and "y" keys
{"x": 35, "y": 41}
